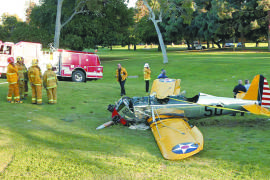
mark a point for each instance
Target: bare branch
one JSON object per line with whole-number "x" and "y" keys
{"x": 151, "y": 13}
{"x": 78, "y": 5}
{"x": 75, "y": 12}
{"x": 160, "y": 17}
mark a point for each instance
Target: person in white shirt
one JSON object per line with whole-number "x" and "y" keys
{"x": 247, "y": 84}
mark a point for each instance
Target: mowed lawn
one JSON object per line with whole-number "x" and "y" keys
{"x": 60, "y": 141}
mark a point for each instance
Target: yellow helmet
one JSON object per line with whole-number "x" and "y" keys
{"x": 49, "y": 66}
{"x": 19, "y": 59}
{"x": 34, "y": 62}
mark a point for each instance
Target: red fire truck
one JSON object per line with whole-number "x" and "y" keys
{"x": 78, "y": 65}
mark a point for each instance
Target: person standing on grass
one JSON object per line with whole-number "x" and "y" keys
{"x": 35, "y": 79}
{"x": 21, "y": 70}
{"x": 25, "y": 79}
{"x": 247, "y": 84}
{"x": 50, "y": 84}
{"x": 162, "y": 74}
{"x": 121, "y": 76}
{"x": 147, "y": 76}
{"x": 12, "y": 79}
{"x": 237, "y": 89}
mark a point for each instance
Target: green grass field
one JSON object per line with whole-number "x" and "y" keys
{"x": 60, "y": 141}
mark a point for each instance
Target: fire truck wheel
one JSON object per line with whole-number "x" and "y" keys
{"x": 78, "y": 76}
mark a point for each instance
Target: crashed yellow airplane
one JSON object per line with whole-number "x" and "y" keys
{"x": 167, "y": 111}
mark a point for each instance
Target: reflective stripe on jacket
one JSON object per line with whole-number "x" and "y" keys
{"x": 34, "y": 75}
{"x": 147, "y": 74}
{"x": 25, "y": 72}
{"x": 12, "y": 74}
{"x": 20, "y": 68}
{"x": 49, "y": 79}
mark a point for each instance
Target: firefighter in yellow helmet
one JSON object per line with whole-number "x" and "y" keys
{"x": 12, "y": 78}
{"x": 147, "y": 76}
{"x": 35, "y": 78}
{"x": 25, "y": 72}
{"x": 21, "y": 69}
{"x": 50, "y": 84}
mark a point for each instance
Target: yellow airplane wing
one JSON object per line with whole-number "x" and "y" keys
{"x": 175, "y": 138}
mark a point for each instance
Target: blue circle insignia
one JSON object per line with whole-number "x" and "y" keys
{"x": 184, "y": 148}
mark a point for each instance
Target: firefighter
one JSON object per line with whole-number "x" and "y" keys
{"x": 50, "y": 84}
{"x": 121, "y": 76}
{"x": 12, "y": 78}
{"x": 25, "y": 78}
{"x": 21, "y": 70}
{"x": 35, "y": 78}
{"x": 147, "y": 76}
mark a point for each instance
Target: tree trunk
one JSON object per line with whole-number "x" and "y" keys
{"x": 161, "y": 42}
{"x": 257, "y": 43}
{"x": 58, "y": 24}
{"x": 223, "y": 43}
{"x": 242, "y": 40}
{"x": 129, "y": 46}
{"x": 217, "y": 43}
{"x": 188, "y": 44}
{"x": 208, "y": 45}
{"x": 135, "y": 47}
{"x": 159, "y": 48}
{"x": 160, "y": 38}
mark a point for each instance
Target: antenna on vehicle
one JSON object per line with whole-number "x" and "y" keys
{"x": 52, "y": 48}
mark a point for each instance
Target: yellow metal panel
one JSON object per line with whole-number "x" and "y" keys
{"x": 177, "y": 87}
{"x": 256, "y": 109}
{"x": 163, "y": 88}
{"x": 175, "y": 138}
{"x": 252, "y": 93}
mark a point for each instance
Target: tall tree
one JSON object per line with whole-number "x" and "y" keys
{"x": 79, "y": 8}
{"x": 265, "y": 6}
{"x": 157, "y": 9}
{"x": 9, "y": 24}
{"x": 179, "y": 21}
{"x": 108, "y": 27}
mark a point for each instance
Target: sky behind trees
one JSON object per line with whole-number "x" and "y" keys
{"x": 18, "y": 7}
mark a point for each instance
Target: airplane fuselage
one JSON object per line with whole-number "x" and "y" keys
{"x": 138, "y": 109}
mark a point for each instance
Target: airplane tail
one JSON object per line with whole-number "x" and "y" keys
{"x": 258, "y": 91}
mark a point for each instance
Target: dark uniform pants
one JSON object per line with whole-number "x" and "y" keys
{"x": 147, "y": 86}
{"x": 26, "y": 88}
{"x": 122, "y": 85}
